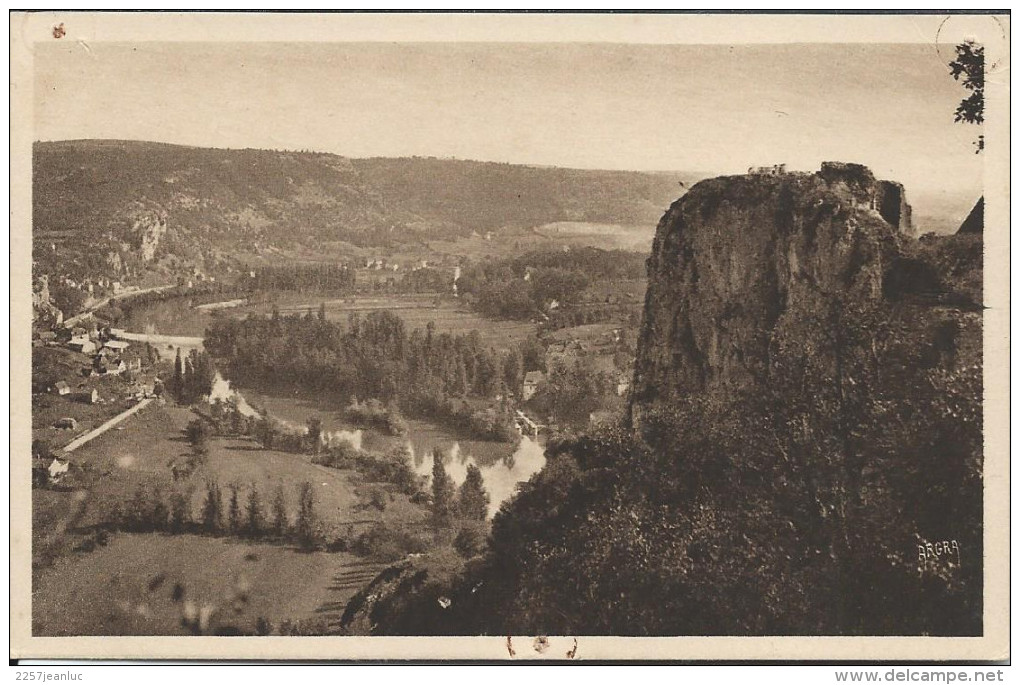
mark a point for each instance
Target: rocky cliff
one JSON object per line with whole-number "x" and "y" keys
{"x": 737, "y": 255}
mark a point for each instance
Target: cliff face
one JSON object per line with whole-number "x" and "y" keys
{"x": 738, "y": 254}
{"x": 147, "y": 229}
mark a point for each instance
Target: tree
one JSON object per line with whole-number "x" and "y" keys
{"x": 533, "y": 354}
{"x": 177, "y": 384}
{"x": 151, "y": 355}
{"x": 198, "y": 435}
{"x": 469, "y": 542}
{"x": 201, "y": 375}
{"x": 306, "y": 526}
{"x": 254, "y": 523}
{"x": 234, "y": 512}
{"x": 158, "y": 514}
{"x": 41, "y": 448}
{"x": 314, "y": 434}
{"x": 67, "y": 299}
{"x": 513, "y": 371}
{"x": 279, "y": 507}
{"x": 187, "y": 395}
{"x": 443, "y": 491}
{"x": 472, "y": 499}
{"x": 212, "y": 515}
{"x": 139, "y": 514}
{"x": 969, "y": 69}
{"x": 180, "y": 512}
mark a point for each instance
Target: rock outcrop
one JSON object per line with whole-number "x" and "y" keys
{"x": 43, "y": 310}
{"x": 147, "y": 229}
{"x": 737, "y": 254}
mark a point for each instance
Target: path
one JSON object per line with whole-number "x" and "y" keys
{"x": 69, "y": 323}
{"x": 96, "y": 432}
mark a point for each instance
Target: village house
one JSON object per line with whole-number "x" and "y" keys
{"x": 86, "y": 396}
{"x": 82, "y": 344}
{"x": 104, "y": 365}
{"x": 66, "y": 423}
{"x": 58, "y": 469}
{"x": 40, "y": 472}
{"x": 117, "y": 346}
{"x": 142, "y": 390}
{"x": 622, "y": 385}
{"x": 62, "y": 388}
{"x": 532, "y": 380}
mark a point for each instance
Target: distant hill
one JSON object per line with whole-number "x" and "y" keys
{"x": 120, "y": 208}
{"x": 485, "y": 195}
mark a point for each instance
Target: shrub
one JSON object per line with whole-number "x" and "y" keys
{"x": 377, "y": 415}
{"x": 388, "y": 544}
{"x": 305, "y": 626}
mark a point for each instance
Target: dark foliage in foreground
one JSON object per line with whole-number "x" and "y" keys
{"x": 799, "y": 509}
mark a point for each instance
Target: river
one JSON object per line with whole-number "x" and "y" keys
{"x": 176, "y": 324}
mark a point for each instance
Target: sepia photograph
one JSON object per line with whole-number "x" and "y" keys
{"x": 636, "y": 336}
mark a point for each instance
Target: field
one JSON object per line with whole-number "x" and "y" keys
{"x": 100, "y": 591}
{"x": 416, "y": 311}
{"x": 606, "y": 236}
{"x": 128, "y": 586}
{"x": 178, "y": 317}
{"x": 552, "y": 236}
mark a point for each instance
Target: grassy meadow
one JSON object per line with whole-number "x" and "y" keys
{"x": 124, "y": 585}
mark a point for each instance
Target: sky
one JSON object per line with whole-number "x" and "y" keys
{"x": 709, "y": 108}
